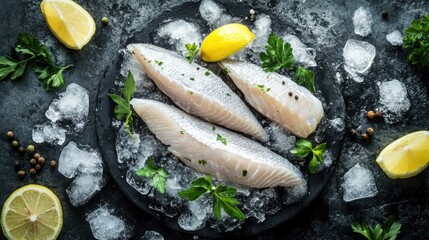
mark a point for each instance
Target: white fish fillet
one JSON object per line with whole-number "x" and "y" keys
{"x": 193, "y": 140}
{"x": 277, "y": 97}
{"x": 197, "y": 90}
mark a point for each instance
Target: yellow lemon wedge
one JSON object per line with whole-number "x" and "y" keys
{"x": 32, "y": 212}
{"x": 224, "y": 41}
{"x": 407, "y": 156}
{"x": 69, "y": 22}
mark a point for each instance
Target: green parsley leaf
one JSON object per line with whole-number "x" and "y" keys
{"x": 221, "y": 139}
{"x": 416, "y": 42}
{"x": 207, "y": 73}
{"x": 123, "y": 109}
{"x": 388, "y": 231}
{"x": 278, "y": 54}
{"x": 192, "y": 52}
{"x": 223, "y": 197}
{"x": 305, "y": 77}
{"x": 47, "y": 72}
{"x": 202, "y": 161}
{"x": 304, "y": 147}
{"x": 244, "y": 173}
{"x": 158, "y": 174}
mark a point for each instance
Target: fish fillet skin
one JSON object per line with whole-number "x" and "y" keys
{"x": 197, "y": 90}
{"x": 193, "y": 140}
{"x": 277, "y": 97}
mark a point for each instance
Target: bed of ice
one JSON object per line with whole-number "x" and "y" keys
{"x": 105, "y": 225}
{"x": 393, "y": 100}
{"x": 86, "y": 167}
{"x": 359, "y": 183}
{"x": 66, "y": 115}
{"x": 133, "y": 151}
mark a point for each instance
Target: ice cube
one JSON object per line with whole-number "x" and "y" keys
{"x": 105, "y": 226}
{"x": 152, "y": 235}
{"x": 280, "y": 140}
{"x": 87, "y": 166}
{"x": 261, "y": 203}
{"x": 362, "y": 21}
{"x": 195, "y": 217}
{"x": 394, "y": 38}
{"x": 179, "y": 33}
{"x": 358, "y": 183}
{"x": 301, "y": 53}
{"x": 214, "y": 14}
{"x": 337, "y": 124}
{"x": 71, "y": 108}
{"x": 393, "y": 100}
{"x": 262, "y": 30}
{"x": 295, "y": 194}
{"x": 358, "y": 57}
{"x": 49, "y": 132}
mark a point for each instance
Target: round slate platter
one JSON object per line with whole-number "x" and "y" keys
{"x": 106, "y": 133}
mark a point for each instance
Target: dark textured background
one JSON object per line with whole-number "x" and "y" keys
{"x": 23, "y": 103}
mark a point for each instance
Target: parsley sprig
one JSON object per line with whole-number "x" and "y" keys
{"x": 158, "y": 174}
{"x": 279, "y": 55}
{"x": 304, "y": 147}
{"x": 123, "y": 109}
{"x": 30, "y": 47}
{"x": 223, "y": 197}
{"x": 416, "y": 42}
{"x": 388, "y": 231}
{"x": 192, "y": 51}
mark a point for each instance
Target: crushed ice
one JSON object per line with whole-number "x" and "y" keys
{"x": 300, "y": 51}
{"x": 180, "y": 32}
{"x": 362, "y": 21}
{"x": 395, "y": 38}
{"x": 393, "y": 100}
{"x": 49, "y": 132}
{"x": 214, "y": 14}
{"x": 106, "y": 226}
{"x": 87, "y": 168}
{"x": 358, "y": 57}
{"x": 358, "y": 183}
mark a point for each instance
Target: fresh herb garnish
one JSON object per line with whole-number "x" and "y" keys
{"x": 279, "y": 55}
{"x": 227, "y": 94}
{"x": 190, "y": 92}
{"x": 416, "y": 42}
{"x": 244, "y": 173}
{"x": 304, "y": 147}
{"x": 123, "y": 108}
{"x": 182, "y": 132}
{"x": 388, "y": 231}
{"x": 29, "y": 46}
{"x": 262, "y": 88}
{"x": 223, "y": 197}
{"x": 202, "y": 161}
{"x": 221, "y": 139}
{"x": 192, "y": 79}
{"x": 207, "y": 73}
{"x": 158, "y": 174}
{"x": 213, "y": 128}
{"x": 158, "y": 62}
{"x": 192, "y": 51}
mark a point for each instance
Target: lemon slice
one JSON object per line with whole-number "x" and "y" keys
{"x": 407, "y": 156}
{"x": 32, "y": 212}
{"x": 69, "y": 22}
{"x": 224, "y": 41}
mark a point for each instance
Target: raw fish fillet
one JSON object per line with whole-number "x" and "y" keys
{"x": 197, "y": 90}
{"x": 214, "y": 150}
{"x": 277, "y": 97}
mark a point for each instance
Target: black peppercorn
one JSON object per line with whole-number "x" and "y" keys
{"x": 53, "y": 164}
{"x": 21, "y": 174}
{"x": 32, "y": 171}
{"x": 365, "y": 136}
{"x": 378, "y": 114}
{"x": 385, "y": 14}
{"x": 41, "y": 160}
{"x": 33, "y": 161}
{"x": 36, "y": 156}
{"x": 290, "y": 94}
{"x": 296, "y": 97}
{"x": 37, "y": 167}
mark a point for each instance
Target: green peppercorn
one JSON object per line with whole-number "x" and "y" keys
{"x": 17, "y": 165}
{"x": 15, "y": 144}
{"x": 41, "y": 160}
{"x": 21, "y": 174}
{"x": 53, "y": 164}
{"x": 37, "y": 167}
{"x": 10, "y": 135}
{"x": 30, "y": 149}
{"x": 32, "y": 171}
{"x": 370, "y": 131}
{"x": 36, "y": 156}
{"x": 104, "y": 21}
{"x": 33, "y": 161}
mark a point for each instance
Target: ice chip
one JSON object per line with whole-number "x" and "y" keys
{"x": 295, "y": 194}
{"x": 152, "y": 235}
{"x": 195, "y": 218}
{"x": 393, "y": 100}
{"x": 49, "y": 132}
{"x": 179, "y": 32}
{"x": 262, "y": 30}
{"x": 394, "y": 38}
{"x": 105, "y": 226}
{"x": 280, "y": 140}
{"x": 358, "y": 58}
{"x": 71, "y": 108}
{"x": 301, "y": 53}
{"x": 214, "y": 14}
{"x": 83, "y": 187}
{"x": 358, "y": 183}
{"x": 362, "y": 21}
{"x": 337, "y": 124}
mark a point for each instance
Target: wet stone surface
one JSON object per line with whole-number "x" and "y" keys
{"x": 323, "y": 28}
